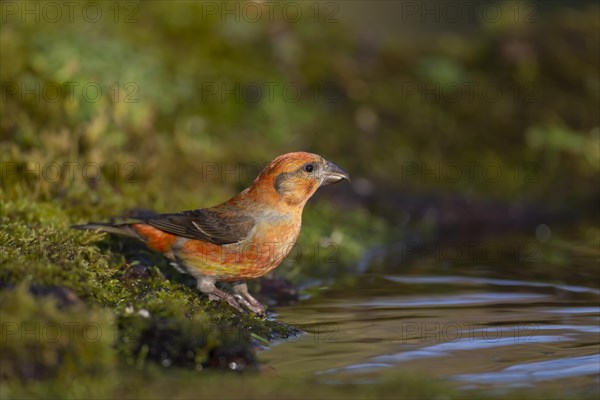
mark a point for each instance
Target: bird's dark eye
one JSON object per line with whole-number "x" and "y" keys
{"x": 309, "y": 168}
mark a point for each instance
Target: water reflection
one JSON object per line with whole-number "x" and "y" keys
{"x": 459, "y": 300}
{"x": 446, "y": 349}
{"x": 539, "y": 371}
{"x": 525, "y": 333}
{"x": 462, "y": 280}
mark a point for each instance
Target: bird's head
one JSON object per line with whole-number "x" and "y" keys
{"x": 292, "y": 178}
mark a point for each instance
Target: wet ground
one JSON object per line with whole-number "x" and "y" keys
{"x": 485, "y": 333}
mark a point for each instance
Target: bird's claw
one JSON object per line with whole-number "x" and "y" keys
{"x": 237, "y": 300}
{"x": 245, "y": 298}
{"x": 253, "y": 306}
{"x": 221, "y": 295}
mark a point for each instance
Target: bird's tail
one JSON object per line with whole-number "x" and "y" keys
{"x": 119, "y": 229}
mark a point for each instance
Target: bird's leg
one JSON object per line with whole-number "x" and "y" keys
{"x": 246, "y": 299}
{"x": 206, "y": 285}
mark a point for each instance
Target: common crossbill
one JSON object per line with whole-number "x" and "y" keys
{"x": 242, "y": 238}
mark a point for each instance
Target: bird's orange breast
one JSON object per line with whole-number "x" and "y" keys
{"x": 264, "y": 250}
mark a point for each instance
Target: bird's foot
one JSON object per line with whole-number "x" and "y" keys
{"x": 245, "y": 298}
{"x": 218, "y": 294}
{"x": 255, "y": 306}
{"x": 240, "y": 299}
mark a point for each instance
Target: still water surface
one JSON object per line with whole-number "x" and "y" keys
{"x": 472, "y": 332}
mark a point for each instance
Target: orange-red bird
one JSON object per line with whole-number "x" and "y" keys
{"x": 245, "y": 237}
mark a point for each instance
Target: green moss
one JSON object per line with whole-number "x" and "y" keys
{"x": 41, "y": 340}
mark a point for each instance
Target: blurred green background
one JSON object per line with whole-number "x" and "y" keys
{"x": 453, "y": 121}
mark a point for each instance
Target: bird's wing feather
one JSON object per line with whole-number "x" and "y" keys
{"x": 214, "y": 226}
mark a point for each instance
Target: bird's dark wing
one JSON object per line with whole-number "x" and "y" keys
{"x": 214, "y": 226}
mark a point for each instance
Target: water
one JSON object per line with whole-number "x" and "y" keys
{"x": 476, "y": 333}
